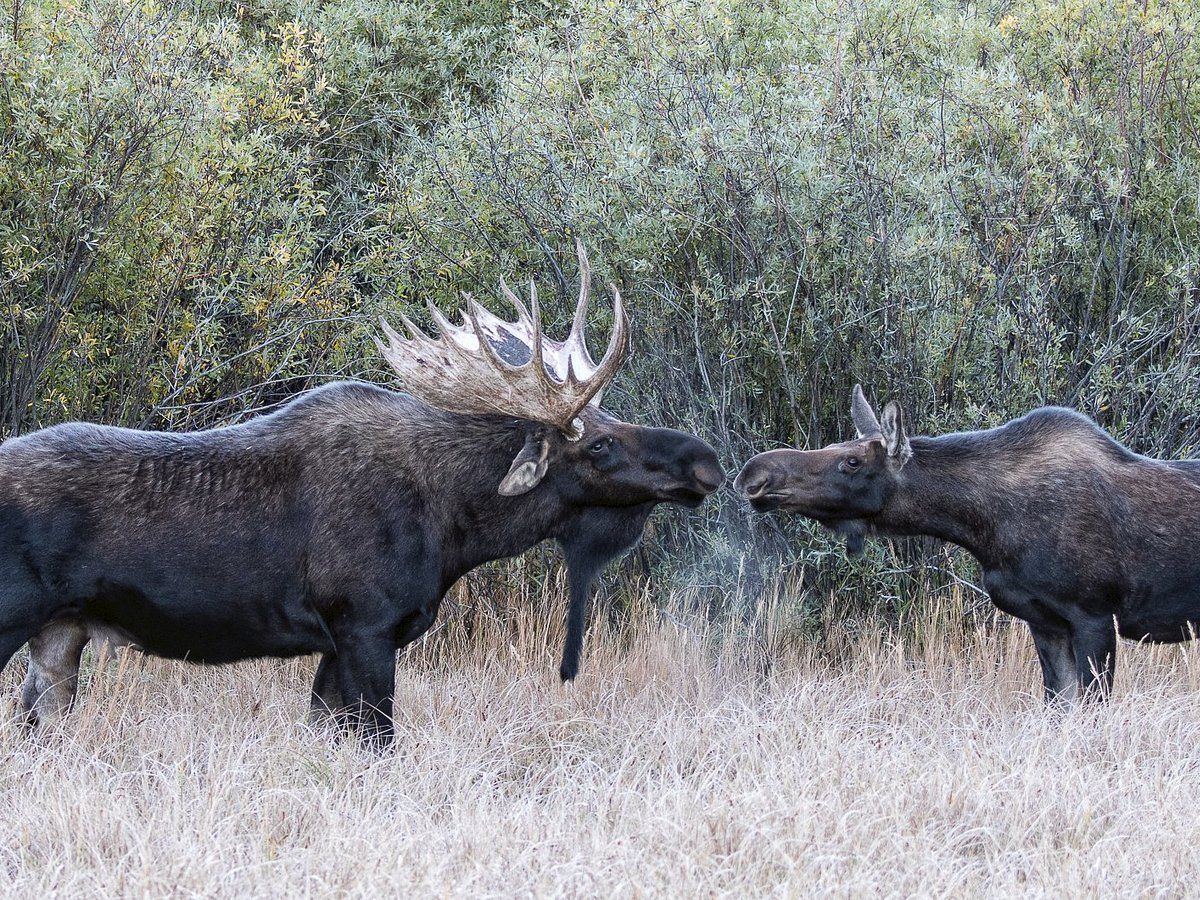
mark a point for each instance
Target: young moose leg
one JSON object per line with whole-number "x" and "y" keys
{"x": 50, "y": 683}
{"x": 580, "y": 585}
{"x": 588, "y": 547}
{"x": 1060, "y": 675}
{"x": 1094, "y": 641}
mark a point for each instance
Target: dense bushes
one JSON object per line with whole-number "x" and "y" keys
{"x": 203, "y": 205}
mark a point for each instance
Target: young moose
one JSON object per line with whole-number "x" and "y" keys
{"x": 336, "y": 524}
{"x": 1073, "y": 531}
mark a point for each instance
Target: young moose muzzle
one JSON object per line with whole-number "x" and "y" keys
{"x": 1076, "y": 535}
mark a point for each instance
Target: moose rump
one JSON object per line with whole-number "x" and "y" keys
{"x": 188, "y": 570}
{"x": 1075, "y": 534}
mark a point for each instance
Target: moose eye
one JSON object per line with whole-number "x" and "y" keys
{"x": 599, "y": 446}
{"x": 852, "y": 462}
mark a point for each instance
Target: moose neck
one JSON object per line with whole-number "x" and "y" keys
{"x": 950, "y": 490}
{"x": 482, "y": 525}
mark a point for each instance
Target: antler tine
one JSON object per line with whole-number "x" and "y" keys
{"x": 475, "y": 312}
{"x": 511, "y": 296}
{"x": 398, "y": 340}
{"x": 394, "y": 352}
{"x": 536, "y": 345}
{"x": 576, "y": 337}
{"x": 492, "y": 323}
{"x": 527, "y": 328}
{"x": 614, "y": 354}
{"x": 451, "y": 333}
{"x": 531, "y": 318}
{"x": 378, "y": 343}
{"x": 389, "y": 332}
{"x": 410, "y": 357}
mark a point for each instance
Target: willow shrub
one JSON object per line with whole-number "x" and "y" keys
{"x": 183, "y": 187}
{"x": 974, "y": 211}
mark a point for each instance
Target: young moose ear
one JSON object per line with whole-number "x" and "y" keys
{"x": 527, "y": 468}
{"x": 865, "y": 422}
{"x": 894, "y": 437}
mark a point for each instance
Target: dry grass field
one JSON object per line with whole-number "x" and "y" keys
{"x": 679, "y": 764}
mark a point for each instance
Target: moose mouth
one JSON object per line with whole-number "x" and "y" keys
{"x": 769, "y": 502}
{"x": 688, "y": 495}
{"x": 811, "y": 506}
{"x": 694, "y": 490}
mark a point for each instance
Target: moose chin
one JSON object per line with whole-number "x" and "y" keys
{"x": 1075, "y": 534}
{"x": 336, "y": 524}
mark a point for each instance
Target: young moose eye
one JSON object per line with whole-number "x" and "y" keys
{"x": 851, "y": 463}
{"x": 599, "y": 446}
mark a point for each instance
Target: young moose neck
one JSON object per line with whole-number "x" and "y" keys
{"x": 944, "y": 491}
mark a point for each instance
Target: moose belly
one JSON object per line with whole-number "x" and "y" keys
{"x": 218, "y": 628}
{"x": 1157, "y": 632}
{"x": 1165, "y": 610}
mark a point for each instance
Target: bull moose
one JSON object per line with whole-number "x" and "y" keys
{"x": 335, "y": 524}
{"x": 1076, "y": 535}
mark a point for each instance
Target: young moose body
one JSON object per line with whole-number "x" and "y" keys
{"x": 1073, "y": 531}
{"x": 333, "y": 526}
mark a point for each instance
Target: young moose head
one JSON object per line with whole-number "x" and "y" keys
{"x": 488, "y": 366}
{"x": 842, "y": 486}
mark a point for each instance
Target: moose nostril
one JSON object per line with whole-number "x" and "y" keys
{"x": 753, "y": 484}
{"x": 708, "y": 477}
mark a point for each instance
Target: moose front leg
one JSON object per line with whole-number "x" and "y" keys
{"x": 1060, "y": 675}
{"x": 1052, "y": 634}
{"x": 328, "y": 700}
{"x": 366, "y": 674}
{"x": 1078, "y": 659}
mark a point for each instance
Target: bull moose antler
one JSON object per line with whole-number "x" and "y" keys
{"x": 487, "y": 365}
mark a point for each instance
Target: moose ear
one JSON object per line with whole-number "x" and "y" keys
{"x": 894, "y": 437}
{"x": 527, "y": 468}
{"x": 865, "y": 422}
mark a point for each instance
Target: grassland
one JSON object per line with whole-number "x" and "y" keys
{"x": 681, "y": 763}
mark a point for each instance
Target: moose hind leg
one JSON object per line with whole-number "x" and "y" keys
{"x": 326, "y": 703}
{"x": 53, "y": 676}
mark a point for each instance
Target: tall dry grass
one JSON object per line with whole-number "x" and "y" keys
{"x": 681, "y": 763}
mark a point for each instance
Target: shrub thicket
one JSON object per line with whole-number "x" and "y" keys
{"x": 204, "y": 204}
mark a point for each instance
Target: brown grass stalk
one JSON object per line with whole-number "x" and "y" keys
{"x": 678, "y": 764}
